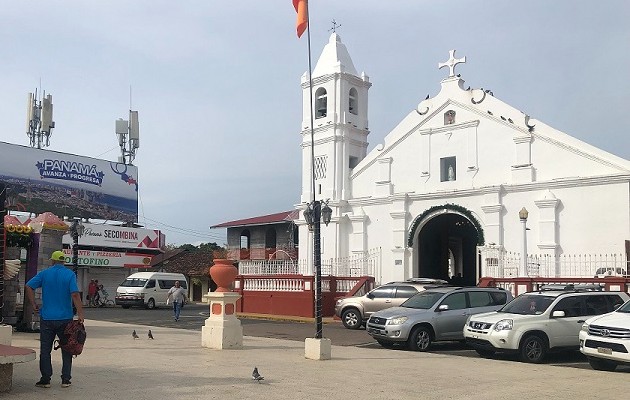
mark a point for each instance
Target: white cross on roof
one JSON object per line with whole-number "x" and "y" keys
{"x": 451, "y": 63}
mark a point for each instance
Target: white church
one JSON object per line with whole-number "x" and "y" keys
{"x": 465, "y": 184}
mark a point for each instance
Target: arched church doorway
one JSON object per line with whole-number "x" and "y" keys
{"x": 445, "y": 245}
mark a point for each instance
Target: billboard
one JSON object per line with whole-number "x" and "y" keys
{"x": 104, "y": 235}
{"x": 109, "y": 259}
{"x": 68, "y": 185}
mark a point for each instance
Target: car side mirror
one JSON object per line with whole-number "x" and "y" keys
{"x": 442, "y": 307}
{"x": 558, "y": 314}
{"x": 369, "y": 296}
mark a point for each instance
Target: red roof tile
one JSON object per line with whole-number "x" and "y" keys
{"x": 191, "y": 263}
{"x": 285, "y": 216}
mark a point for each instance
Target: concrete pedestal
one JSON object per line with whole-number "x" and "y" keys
{"x": 10, "y": 355}
{"x": 6, "y": 331}
{"x": 317, "y": 349}
{"x": 222, "y": 329}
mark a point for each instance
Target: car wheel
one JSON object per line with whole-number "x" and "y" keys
{"x": 602, "y": 365}
{"x": 351, "y": 318}
{"x": 385, "y": 343}
{"x": 533, "y": 349}
{"x": 126, "y": 307}
{"x": 420, "y": 339}
{"x": 151, "y": 304}
{"x": 485, "y": 353}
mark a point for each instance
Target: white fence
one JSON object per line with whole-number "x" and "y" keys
{"x": 364, "y": 264}
{"x": 270, "y": 267}
{"x": 502, "y": 264}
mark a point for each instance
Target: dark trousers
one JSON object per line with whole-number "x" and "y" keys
{"x": 48, "y": 330}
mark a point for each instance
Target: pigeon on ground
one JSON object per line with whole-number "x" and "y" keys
{"x": 256, "y": 376}
{"x": 134, "y": 334}
{"x": 150, "y": 334}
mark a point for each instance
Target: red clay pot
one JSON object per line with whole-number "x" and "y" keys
{"x": 223, "y": 273}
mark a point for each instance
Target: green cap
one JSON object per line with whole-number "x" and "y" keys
{"x": 58, "y": 256}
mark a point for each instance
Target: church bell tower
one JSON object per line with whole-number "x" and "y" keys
{"x": 340, "y": 123}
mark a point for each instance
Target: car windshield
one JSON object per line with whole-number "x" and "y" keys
{"x": 528, "y": 304}
{"x": 610, "y": 271}
{"x": 423, "y": 300}
{"x": 625, "y": 308}
{"x": 136, "y": 282}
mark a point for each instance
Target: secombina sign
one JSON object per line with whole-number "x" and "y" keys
{"x": 104, "y": 235}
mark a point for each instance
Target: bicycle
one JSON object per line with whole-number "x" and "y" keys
{"x": 102, "y": 299}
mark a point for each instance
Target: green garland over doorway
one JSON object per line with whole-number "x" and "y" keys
{"x": 453, "y": 207}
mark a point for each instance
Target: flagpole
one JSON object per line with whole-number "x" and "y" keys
{"x": 316, "y": 205}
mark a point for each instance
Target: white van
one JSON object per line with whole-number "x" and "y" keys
{"x": 147, "y": 289}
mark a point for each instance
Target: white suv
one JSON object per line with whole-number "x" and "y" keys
{"x": 605, "y": 339}
{"x": 536, "y": 322}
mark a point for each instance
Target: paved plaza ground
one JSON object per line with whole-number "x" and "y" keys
{"x": 174, "y": 365}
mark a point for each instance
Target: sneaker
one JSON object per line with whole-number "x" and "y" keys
{"x": 65, "y": 383}
{"x": 43, "y": 384}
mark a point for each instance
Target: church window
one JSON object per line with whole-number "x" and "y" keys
{"x": 321, "y": 103}
{"x": 448, "y": 169}
{"x": 352, "y": 162}
{"x": 320, "y": 167}
{"x": 353, "y": 101}
{"x": 449, "y": 117}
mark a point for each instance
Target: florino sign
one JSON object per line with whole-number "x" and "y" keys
{"x": 66, "y": 184}
{"x": 93, "y": 258}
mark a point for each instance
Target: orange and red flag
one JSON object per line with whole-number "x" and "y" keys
{"x": 301, "y": 7}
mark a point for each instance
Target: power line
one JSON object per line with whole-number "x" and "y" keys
{"x": 106, "y": 152}
{"x": 186, "y": 231}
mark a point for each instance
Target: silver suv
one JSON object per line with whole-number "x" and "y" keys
{"x": 433, "y": 315}
{"x": 353, "y": 311}
{"x": 535, "y": 323}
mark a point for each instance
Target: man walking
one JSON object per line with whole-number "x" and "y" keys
{"x": 59, "y": 292}
{"x": 177, "y": 295}
{"x": 92, "y": 289}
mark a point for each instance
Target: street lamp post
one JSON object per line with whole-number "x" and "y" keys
{"x": 522, "y": 215}
{"x": 314, "y": 215}
{"x": 76, "y": 230}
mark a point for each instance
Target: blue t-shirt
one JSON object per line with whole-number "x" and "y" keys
{"x": 57, "y": 283}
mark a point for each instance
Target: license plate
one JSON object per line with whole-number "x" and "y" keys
{"x": 373, "y": 331}
{"x": 604, "y": 350}
{"x": 475, "y": 337}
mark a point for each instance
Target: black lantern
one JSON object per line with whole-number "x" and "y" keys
{"x": 76, "y": 230}
{"x": 308, "y": 216}
{"x": 326, "y": 214}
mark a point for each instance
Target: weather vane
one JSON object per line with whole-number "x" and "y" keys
{"x": 335, "y": 26}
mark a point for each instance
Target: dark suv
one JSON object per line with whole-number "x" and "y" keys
{"x": 353, "y": 311}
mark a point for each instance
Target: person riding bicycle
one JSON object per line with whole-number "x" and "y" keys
{"x": 101, "y": 296}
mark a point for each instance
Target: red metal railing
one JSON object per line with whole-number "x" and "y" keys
{"x": 521, "y": 285}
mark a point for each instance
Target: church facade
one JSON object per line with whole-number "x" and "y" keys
{"x": 464, "y": 184}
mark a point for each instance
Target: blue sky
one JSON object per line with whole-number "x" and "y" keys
{"x": 217, "y": 83}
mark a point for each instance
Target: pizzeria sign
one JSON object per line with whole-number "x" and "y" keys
{"x": 91, "y": 258}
